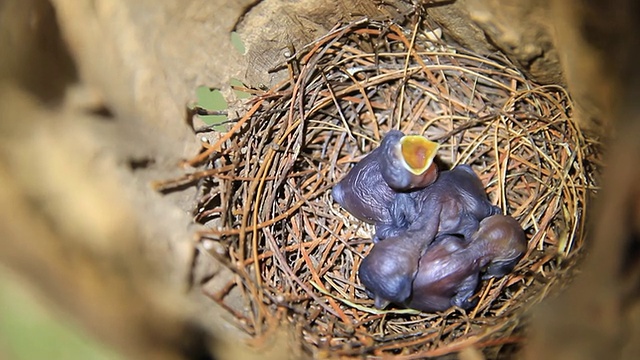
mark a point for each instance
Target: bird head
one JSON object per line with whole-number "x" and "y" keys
{"x": 500, "y": 243}
{"x": 388, "y": 271}
{"x": 408, "y": 161}
{"x": 417, "y": 153}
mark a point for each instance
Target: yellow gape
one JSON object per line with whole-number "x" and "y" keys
{"x": 417, "y": 153}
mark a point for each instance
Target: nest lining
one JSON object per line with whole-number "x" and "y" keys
{"x": 295, "y": 252}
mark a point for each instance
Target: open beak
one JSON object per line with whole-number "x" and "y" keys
{"x": 418, "y": 153}
{"x": 380, "y": 303}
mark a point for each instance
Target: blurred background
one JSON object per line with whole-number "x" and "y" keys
{"x": 93, "y": 94}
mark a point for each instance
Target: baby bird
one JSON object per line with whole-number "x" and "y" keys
{"x": 364, "y": 191}
{"x": 446, "y": 276}
{"x": 449, "y": 271}
{"x": 502, "y": 245}
{"x": 388, "y": 271}
{"x": 453, "y": 205}
{"x": 407, "y": 161}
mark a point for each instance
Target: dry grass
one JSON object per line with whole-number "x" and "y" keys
{"x": 264, "y": 188}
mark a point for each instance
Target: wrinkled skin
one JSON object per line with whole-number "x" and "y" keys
{"x": 499, "y": 245}
{"x": 453, "y": 205}
{"x": 365, "y": 193}
{"x": 388, "y": 271}
{"x": 449, "y": 271}
{"x": 447, "y": 275}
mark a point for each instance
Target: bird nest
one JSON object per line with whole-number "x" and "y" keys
{"x": 266, "y": 202}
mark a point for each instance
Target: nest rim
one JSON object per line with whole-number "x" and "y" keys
{"x": 293, "y": 110}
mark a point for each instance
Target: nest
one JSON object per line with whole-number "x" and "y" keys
{"x": 265, "y": 197}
